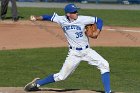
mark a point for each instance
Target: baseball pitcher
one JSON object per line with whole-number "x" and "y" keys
{"x": 77, "y": 29}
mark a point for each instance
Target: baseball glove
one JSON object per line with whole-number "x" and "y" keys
{"x": 91, "y": 30}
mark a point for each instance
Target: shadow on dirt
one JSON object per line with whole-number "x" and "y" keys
{"x": 67, "y": 90}
{"x": 60, "y": 90}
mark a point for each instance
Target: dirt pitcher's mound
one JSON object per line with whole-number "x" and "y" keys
{"x": 46, "y": 90}
{"x": 37, "y": 34}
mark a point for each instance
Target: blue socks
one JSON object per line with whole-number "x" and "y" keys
{"x": 47, "y": 80}
{"x": 106, "y": 82}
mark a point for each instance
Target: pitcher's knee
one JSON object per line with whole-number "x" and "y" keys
{"x": 61, "y": 78}
{"x": 104, "y": 67}
{"x": 58, "y": 77}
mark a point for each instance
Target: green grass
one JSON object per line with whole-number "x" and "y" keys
{"x": 110, "y": 17}
{"x": 18, "y": 67}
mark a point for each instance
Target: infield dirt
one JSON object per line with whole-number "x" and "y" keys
{"x": 46, "y": 90}
{"x": 27, "y": 34}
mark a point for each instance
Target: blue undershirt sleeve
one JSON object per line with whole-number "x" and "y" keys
{"x": 47, "y": 17}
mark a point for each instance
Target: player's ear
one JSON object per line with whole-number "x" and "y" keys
{"x": 68, "y": 14}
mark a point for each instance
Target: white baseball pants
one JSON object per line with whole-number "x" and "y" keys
{"x": 73, "y": 59}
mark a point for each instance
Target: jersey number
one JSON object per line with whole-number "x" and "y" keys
{"x": 79, "y": 34}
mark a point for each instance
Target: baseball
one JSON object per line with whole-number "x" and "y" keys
{"x": 32, "y": 18}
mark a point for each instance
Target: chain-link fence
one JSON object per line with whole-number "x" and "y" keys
{"x": 88, "y": 1}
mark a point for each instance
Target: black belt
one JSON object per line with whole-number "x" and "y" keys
{"x": 79, "y": 48}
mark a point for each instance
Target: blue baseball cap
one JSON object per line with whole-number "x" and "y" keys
{"x": 70, "y": 8}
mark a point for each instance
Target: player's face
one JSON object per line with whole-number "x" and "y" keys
{"x": 73, "y": 15}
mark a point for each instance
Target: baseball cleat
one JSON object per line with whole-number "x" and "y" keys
{"x": 32, "y": 86}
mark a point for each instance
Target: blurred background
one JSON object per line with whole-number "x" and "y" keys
{"x": 88, "y": 1}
